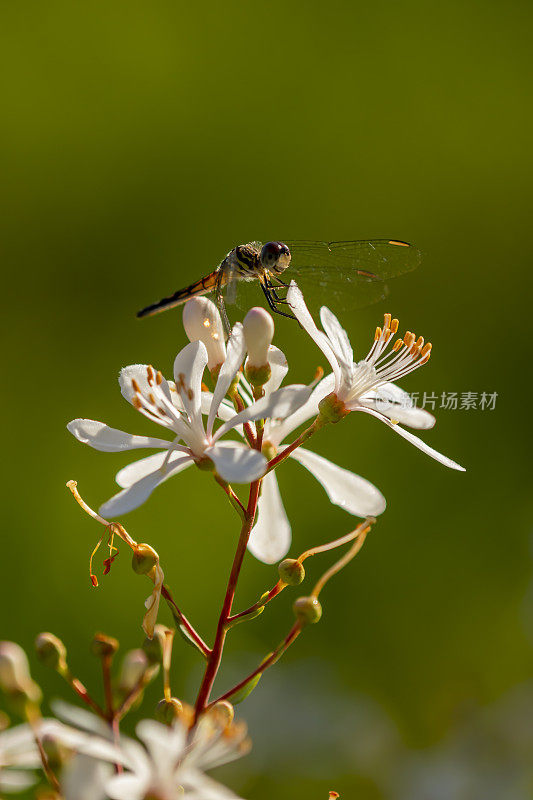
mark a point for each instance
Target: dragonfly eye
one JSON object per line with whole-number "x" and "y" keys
{"x": 275, "y": 256}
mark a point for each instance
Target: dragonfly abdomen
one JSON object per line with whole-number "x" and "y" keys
{"x": 203, "y": 286}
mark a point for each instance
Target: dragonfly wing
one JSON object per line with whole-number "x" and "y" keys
{"x": 383, "y": 258}
{"x": 348, "y": 274}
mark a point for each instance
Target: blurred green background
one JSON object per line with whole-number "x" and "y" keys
{"x": 139, "y": 143}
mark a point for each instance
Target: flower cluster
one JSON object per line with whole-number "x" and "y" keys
{"x": 228, "y": 411}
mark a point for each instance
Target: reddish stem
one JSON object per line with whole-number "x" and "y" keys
{"x": 165, "y": 591}
{"x": 268, "y": 662}
{"x": 215, "y": 656}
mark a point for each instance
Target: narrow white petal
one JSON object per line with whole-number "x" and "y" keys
{"x": 14, "y": 781}
{"x": 412, "y": 416}
{"x": 127, "y": 787}
{"x": 414, "y": 440}
{"x": 136, "y": 494}
{"x": 236, "y": 462}
{"x": 189, "y": 366}
{"x": 110, "y": 440}
{"x": 354, "y": 494}
{"x": 129, "y": 475}
{"x": 134, "y": 372}
{"x": 236, "y": 350}
{"x": 279, "y": 431}
{"x": 271, "y": 535}
{"x": 297, "y": 303}
{"x": 278, "y": 369}
{"x": 338, "y": 338}
{"x": 199, "y": 787}
{"x": 279, "y": 404}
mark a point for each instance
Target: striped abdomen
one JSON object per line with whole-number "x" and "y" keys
{"x": 203, "y": 286}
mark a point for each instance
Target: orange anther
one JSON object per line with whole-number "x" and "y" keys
{"x": 387, "y": 320}
{"x": 394, "y": 325}
{"x": 135, "y": 386}
{"x": 377, "y": 334}
{"x": 397, "y": 345}
{"x": 159, "y": 377}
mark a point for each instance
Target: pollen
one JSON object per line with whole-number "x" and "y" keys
{"x": 159, "y": 378}
{"x": 150, "y": 374}
{"x": 387, "y": 321}
{"x": 394, "y": 325}
{"x": 206, "y": 323}
{"x": 377, "y": 334}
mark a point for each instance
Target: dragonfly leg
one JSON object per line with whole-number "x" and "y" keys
{"x": 272, "y": 289}
{"x": 272, "y": 302}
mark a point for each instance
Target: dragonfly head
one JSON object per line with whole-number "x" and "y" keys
{"x": 275, "y": 256}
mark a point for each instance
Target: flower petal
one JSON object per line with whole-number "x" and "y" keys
{"x": 271, "y": 535}
{"x": 413, "y": 439}
{"x": 236, "y": 350}
{"x": 110, "y": 440}
{"x": 189, "y": 366}
{"x": 278, "y": 369}
{"x": 127, "y": 787}
{"x": 354, "y": 494}
{"x": 277, "y": 432}
{"x": 297, "y": 303}
{"x": 236, "y": 462}
{"x": 129, "y": 475}
{"x": 338, "y": 339}
{"x": 280, "y": 404}
{"x": 137, "y": 494}
{"x": 412, "y": 416}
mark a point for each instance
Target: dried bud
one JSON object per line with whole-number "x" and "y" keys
{"x": 144, "y": 559}
{"x": 15, "y": 678}
{"x": 202, "y": 322}
{"x": 133, "y": 668}
{"x": 258, "y": 328}
{"x": 103, "y": 646}
{"x": 51, "y": 651}
{"x": 291, "y": 571}
{"x": 168, "y": 711}
{"x": 307, "y": 610}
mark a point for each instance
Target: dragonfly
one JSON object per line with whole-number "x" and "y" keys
{"x": 353, "y": 273}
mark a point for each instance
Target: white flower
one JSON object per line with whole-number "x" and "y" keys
{"x": 202, "y": 322}
{"x": 19, "y": 750}
{"x": 170, "y": 762}
{"x": 178, "y": 407}
{"x": 368, "y": 384}
{"x": 271, "y": 535}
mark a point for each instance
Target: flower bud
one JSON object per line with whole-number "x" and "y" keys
{"x": 307, "y": 610}
{"x": 51, "y": 651}
{"x": 153, "y": 648}
{"x": 202, "y": 322}
{"x": 168, "y": 711}
{"x": 15, "y": 678}
{"x": 144, "y": 559}
{"x": 134, "y": 666}
{"x": 258, "y": 328}
{"x": 103, "y": 646}
{"x": 291, "y": 571}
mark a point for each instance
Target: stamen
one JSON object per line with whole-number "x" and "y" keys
{"x": 397, "y": 344}
{"x": 387, "y": 321}
{"x": 159, "y": 378}
{"x": 150, "y": 374}
{"x": 394, "y": 325}
{"x": 408, "y": 338}
{"x": 377, "y": 334}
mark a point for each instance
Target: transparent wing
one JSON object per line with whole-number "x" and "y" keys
{"x": 348, "y": 275}
{"x": 382, "y": 258}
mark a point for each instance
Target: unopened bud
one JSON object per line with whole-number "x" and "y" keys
{"x": 144, "y": 558}
{"x": 153, "y": 648}
{"x": 291, "y": 571}
{"x": 51, "y": 651}
{"x": 258, "y": 328}
{"x": 133, "y": 668}
{"x": 307, "y": 610}
{"x": 103, "y": 646}
{"x": 168, "y": 711}
{"x": 202, "y": 322}
{"x": 15, "y": 678}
